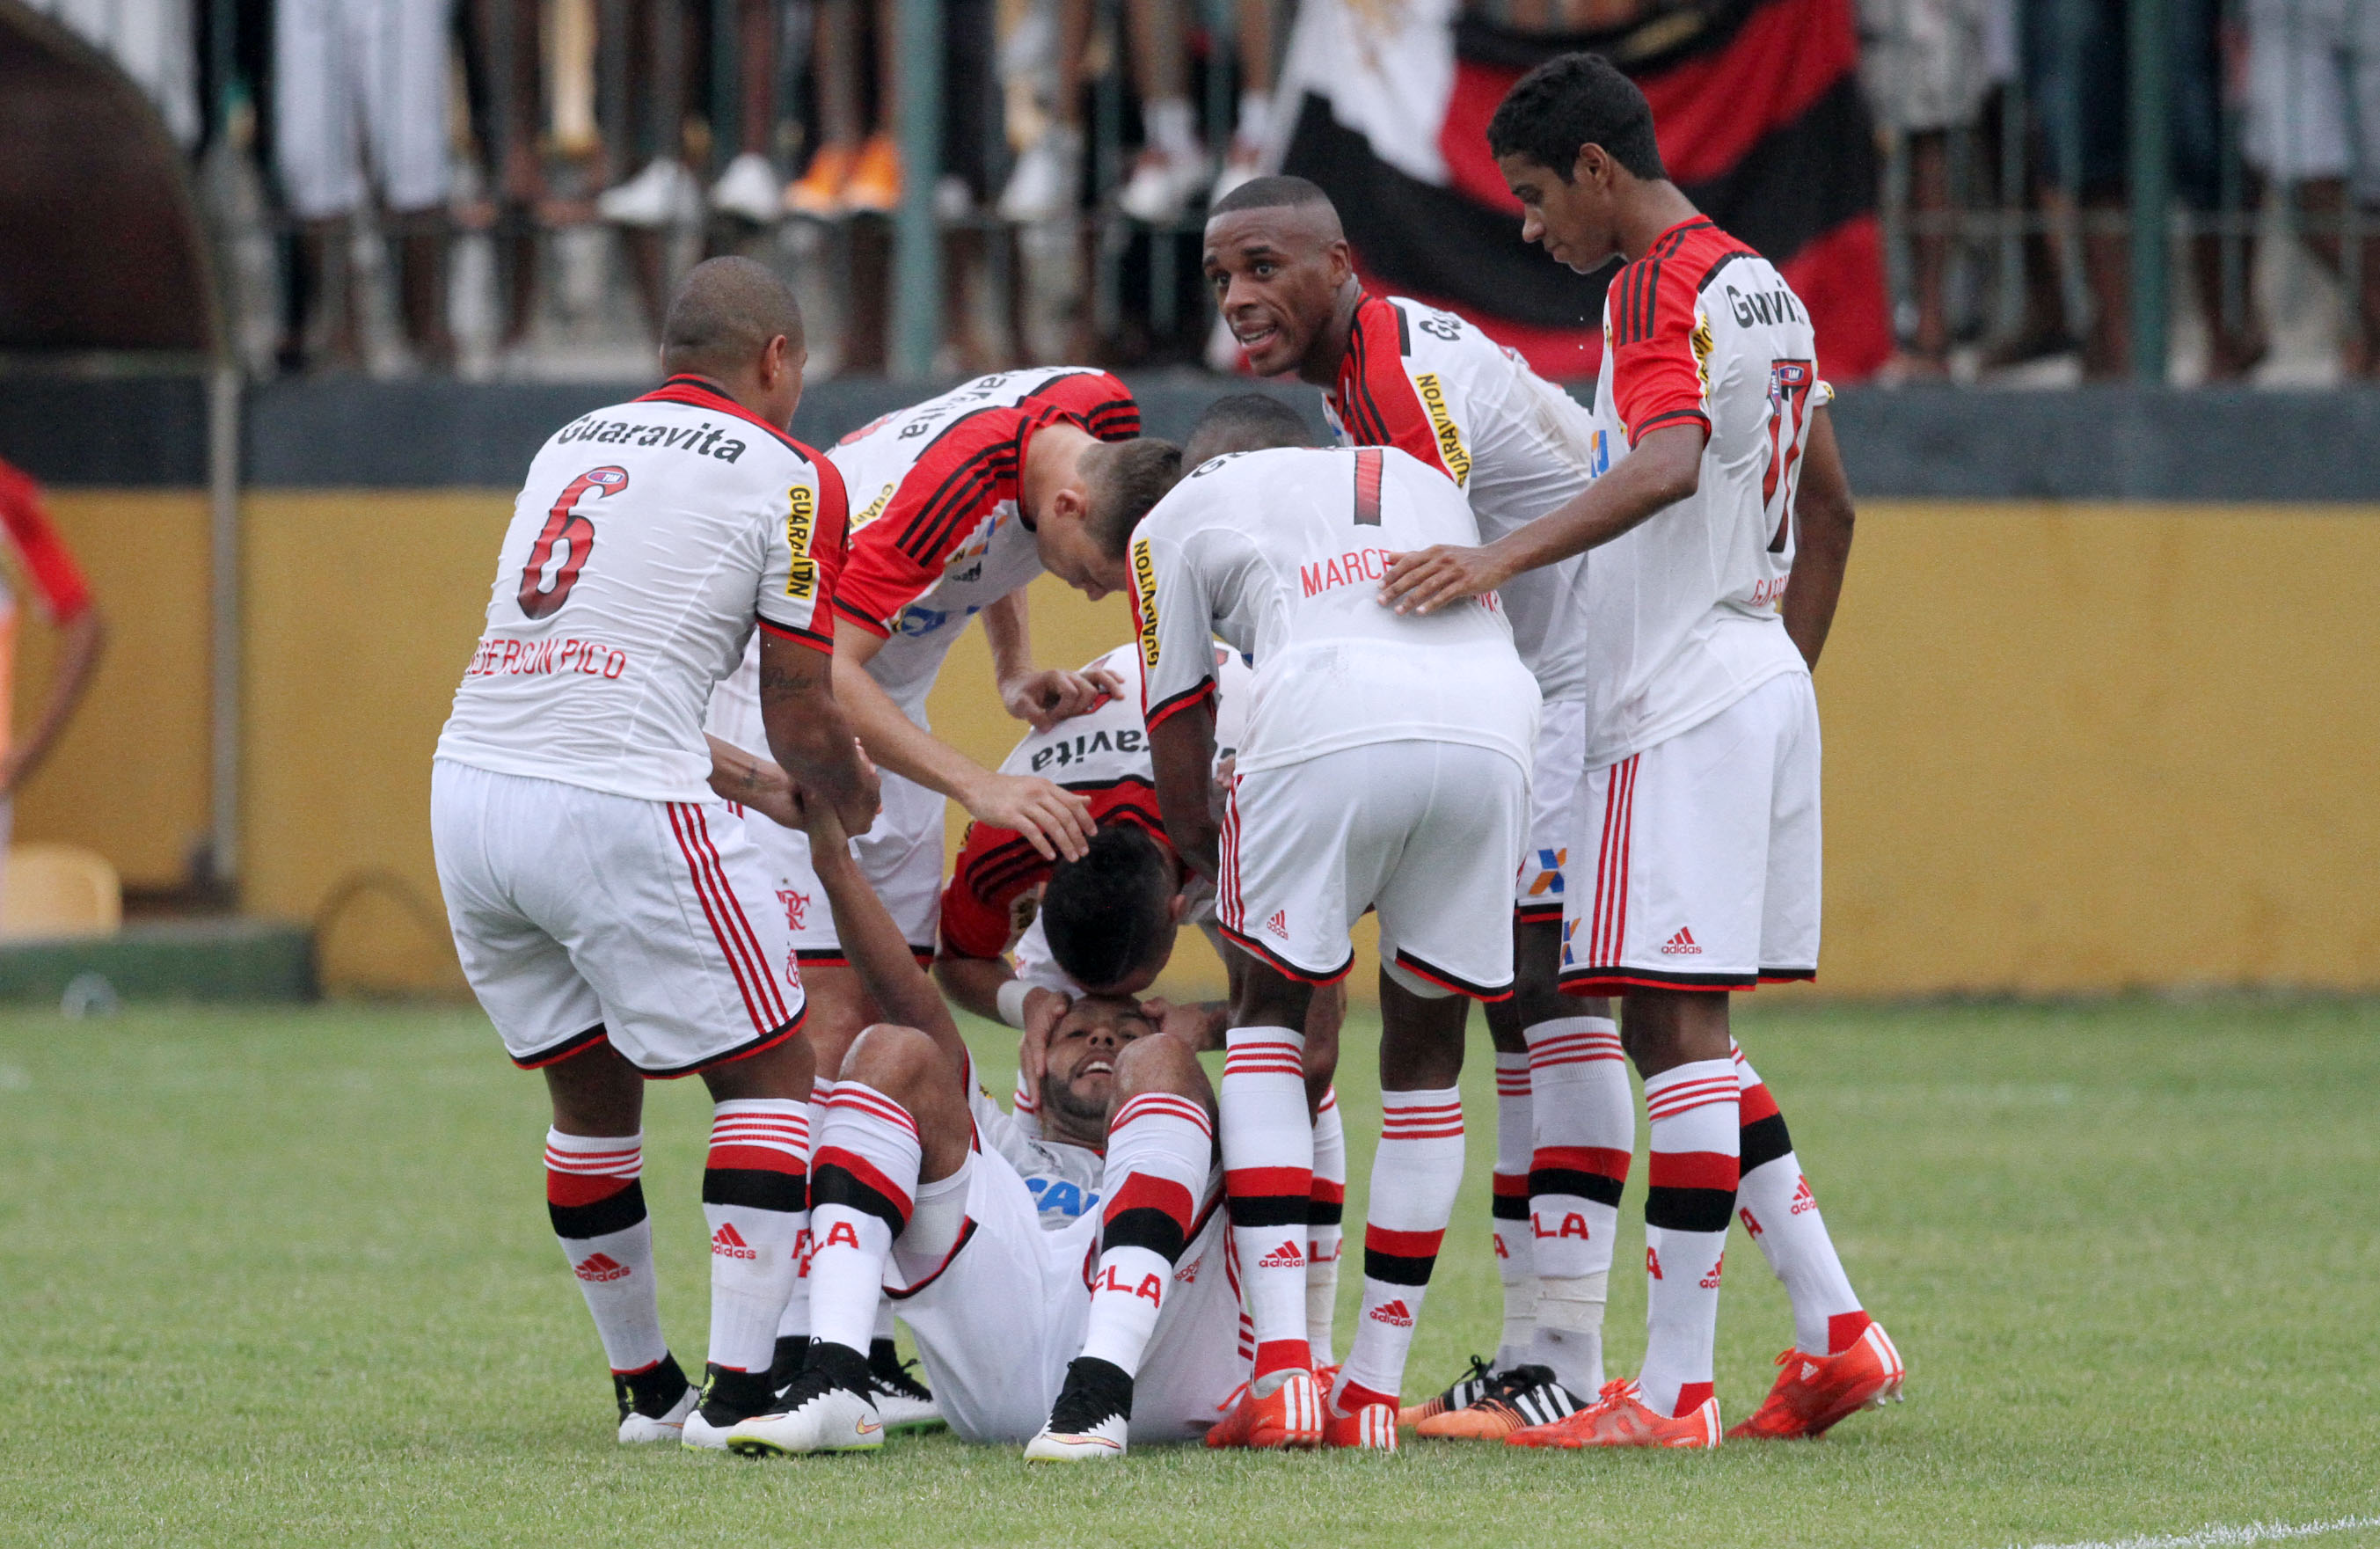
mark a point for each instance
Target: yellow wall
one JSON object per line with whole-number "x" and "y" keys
{"x": 2069, "y": 748}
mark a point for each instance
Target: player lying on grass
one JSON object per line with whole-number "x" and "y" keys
{"x": 1385, "y": 768}
{"x": 1396, "y": 372}
{"x": 1701, "y": 794}
{"x": 1110, "y": 1326}
{"x": 610, "y": 912}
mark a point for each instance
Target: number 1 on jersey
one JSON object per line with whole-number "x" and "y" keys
{"x": 567, "y": 528}
{"x": 1789, "y": 383}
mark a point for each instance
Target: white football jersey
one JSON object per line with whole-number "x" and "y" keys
{"x": 1430, "y": 384}
{"x": 647, "y": 539}
{"x": 1279, "y": 555}
{"x": 1682, "y": 617}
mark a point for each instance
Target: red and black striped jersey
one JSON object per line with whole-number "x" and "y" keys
{"x": 936, "y": 531}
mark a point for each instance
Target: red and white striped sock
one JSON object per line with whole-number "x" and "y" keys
{"x": 863, "y": 1188}
{"x": 1585, "y": 1119}
{"x": 1689, "y": 1195}
{"x": 1509, "y": 1204}
{"x": 1160, "y": 1150}
{"x": 1416, "y": 1174}
{"x": 1781, "y": 1214}
{"x": 1326, "y": 1211}
{"x": 755, "y": 1198}
{"x": 597, "y": 1206}
{"x": 1269, "y": 1176}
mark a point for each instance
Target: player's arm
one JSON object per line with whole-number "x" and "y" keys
{"x": 809, "y": 734}
{"x": 82, "y": 632}
{"x": 1182, "y": 747}
{"x": 1665, "y": 468}
{"x": 1053, "y": 819}
{"x": 870, "y": 940}
{"x": 1041, "y": 697}
{"x": 738, "y": 776}
{"x": 1822, "y": 540}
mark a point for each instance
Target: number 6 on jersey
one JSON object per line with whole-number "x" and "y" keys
{"x": 574, "y": 532}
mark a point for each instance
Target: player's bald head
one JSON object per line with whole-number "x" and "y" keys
{"x": 723, "y": 316}
{"x": 1278, "y": 265}
{"x": 1291, "y": 206}
{"x": 1245, "y": 422}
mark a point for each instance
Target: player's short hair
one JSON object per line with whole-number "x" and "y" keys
{"x": 1125, "y": 478}
{"x": 1245, "y": 422}
{"x": 724, "y": 314}
{"x": 1278, "y": 192}
{"x": 1107, "y": 913}
{"x": 1573, "y": 99}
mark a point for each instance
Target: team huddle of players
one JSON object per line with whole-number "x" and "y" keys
{"x": 689, "y": 815}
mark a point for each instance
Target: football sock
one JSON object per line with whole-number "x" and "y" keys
{"x": 1256, "y": 117}
{"x": 1161, "y": 1149}
{"x": 1585, "y": 1119}
{"x": 1172, "y": 125}
{"x": 1690, "y": 1194}
{"x": 1416, "y": 1174}
{"x": 1781, "y": 1214}
{"x": 862, "y": 1191}
{"x": 597, "y": 1206}
{"x": 755, "y": 1194}
{"x": 1326, "y": 1209}
{"x": 1269, "y": 1177}
{"x": 1509, "y": 1204}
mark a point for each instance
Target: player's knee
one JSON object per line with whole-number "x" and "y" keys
{"x": 897, "y": 1061}
{"x": 1160, "y": 1064}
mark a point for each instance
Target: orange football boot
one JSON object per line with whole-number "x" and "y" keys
{"x": 875, "y": 183}
{"x": 1463, "y": 1392}
{"x": 819, "y": 191}
{"x": 1524, "y": 1396}
{"x": 1618, "y": 1417}
{"x": 1814, "y": 1392}
{"x": 1372, "y": 1427}
{"x": 1291, "y": 1415}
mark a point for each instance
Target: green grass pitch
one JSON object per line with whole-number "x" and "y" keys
{"x": 285, "y": 1278}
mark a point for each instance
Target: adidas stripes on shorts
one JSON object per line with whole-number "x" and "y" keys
{"x": 1697, "y": 861}
{"x": 580, "y": 915}
{"x": 997, "y": 1319}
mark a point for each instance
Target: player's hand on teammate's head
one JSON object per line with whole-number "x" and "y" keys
{"x": 1051, "y": 695}
{"x": 1044, "y": 1009}
{"x": 1054, "y": 821}
{"x": 1428, "y": 579}
{"x": 1195, "y": 1026}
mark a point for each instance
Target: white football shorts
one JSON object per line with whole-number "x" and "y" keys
{"x": 901, "y": 857}
{"x": 1698, "y": 859}
{"x": 1422, "y": 832}
{"x": 580, "y": 915}
{"x": 998, "y": 1315}
{"x": 1542, "y": 882}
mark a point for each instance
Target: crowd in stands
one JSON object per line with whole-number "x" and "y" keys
{"x": 589, "y": 149}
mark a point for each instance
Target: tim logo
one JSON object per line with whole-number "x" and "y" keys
{"x": 1396, "y": 1314}
{"x": 797, "y": 907}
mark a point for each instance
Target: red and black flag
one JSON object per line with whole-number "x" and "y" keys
{"x": 1761, "y": 122}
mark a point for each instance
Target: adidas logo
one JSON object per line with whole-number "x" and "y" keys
{"x": 1802, "y": 1198}
{"x": 1393, "y": 1313}
{"x": 1279, "y": 923}
{"x": 1286, "y": 1256}
{"x": 728, "y": 1243}
{"x": 599, "y": 1267}
{"x": 1681, "y": 944}
{"x": 1809, "y": 1370}
{"x": 1710, "y": 1282}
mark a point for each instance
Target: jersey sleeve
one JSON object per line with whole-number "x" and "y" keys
{"x": 1097, "y": 401}
{"x": 1170, "y": 611}
{"x": 1659, "y": 375}
{"x": 995, "y": 865}
{"x": 55, "y": 576}
{"x": 1386, "y": 398}
{"x": 804, "y": 558}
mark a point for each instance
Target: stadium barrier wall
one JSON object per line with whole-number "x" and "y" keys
{"x": 2075, "y": 744}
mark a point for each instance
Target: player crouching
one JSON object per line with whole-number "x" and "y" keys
{"x": 1098, "y": 1324}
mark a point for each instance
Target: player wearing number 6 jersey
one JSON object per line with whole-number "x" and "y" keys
{"x": 1701, "y": 806}
{"x": 610, "y": 911}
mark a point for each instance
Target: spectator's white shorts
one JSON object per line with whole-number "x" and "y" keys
{"x": 1697, "y": 860}
{"x": 357, "y": 75}
{"x": 901, "y": 856}
{"x": 580, "y": 915}
{"x": 1422, "y": 832}
{"x": 1924, "y": 62}
{"x": 2314, "y": 90}
{"x": 999, "y": 1314}
{"x": 1543, "y": 881}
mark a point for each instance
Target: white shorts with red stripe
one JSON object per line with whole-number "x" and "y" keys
{"x": 998, "y": 1315}
{"x": 1697, "y": 864}
{"x": 580, "y": 915}
{"x": 1422, "y": 832}
{"x": 901, "y": 856}
{"x": 1542, "y": 885}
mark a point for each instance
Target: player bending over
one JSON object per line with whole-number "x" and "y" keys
{"x": 1110, "y": 1324}
{"x": 1395, "y": 373}
{"x": 611, "y": 915}
{"x": 1386, "y": 766}
{"x": 1701, "y": 798}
